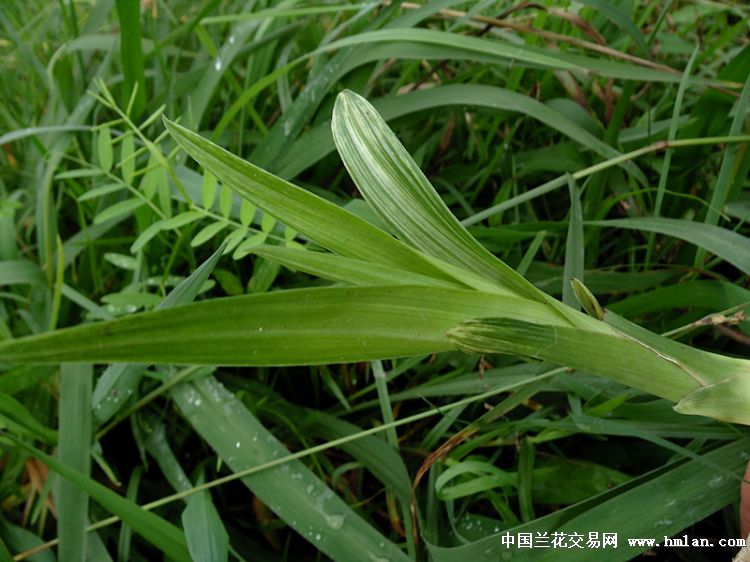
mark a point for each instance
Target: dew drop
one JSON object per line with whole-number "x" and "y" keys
{"x": 217, "y": 65}
{"x": 335, "y": 521}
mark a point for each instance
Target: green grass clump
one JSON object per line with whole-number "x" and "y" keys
{"x": 372, "y": 281}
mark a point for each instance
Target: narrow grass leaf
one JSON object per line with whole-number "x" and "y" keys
{"x": 160, "y": 533}
{"x": 20, "y": 272}
{"x": 17, "y": 416}
{"x": 207, "y": 538}
{"x": 675, "y": 498}
{"x": 574, "y": 246}
{"x": 74, "y": 451}
{"x": 312, "y": 146}
{"x": 435, "y": 44}
{"x": 131, "y": 55}
{"x": 728, "y": 245}
{"x": 292, "y": 491}
{"x": 19, "y": 539}
{"x": 120, "y": 380}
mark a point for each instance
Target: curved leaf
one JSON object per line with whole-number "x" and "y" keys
{"x": 296, "y": 327}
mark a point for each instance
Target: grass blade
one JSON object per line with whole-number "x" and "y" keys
{"x": 131, "y": 55}
{"x": 684, "y": 494}
{"x": 160, "y": 533}
{"x": 318, "y": 142}
{"x": 728, "y": 245}
{"x": 292, "y": 491}
{"x": 207, "y": 538}
{"x": 574, "y": 246}
{"x": 120, "y": 380}
{"x": 75, "y": 452}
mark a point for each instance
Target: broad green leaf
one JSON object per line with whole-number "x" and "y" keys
{"x": 74, "y": 451}
{"x": 122, "y": 261}
{"x": 728, "y": 245}
{"x": 402, "y": 196}
{"x": 347, "y": 270}
{"x": 160, "y": 533}
{"x": 616, "y": 356}
{"x": 714, "y": 367}
{"x": 324, "y": 222}
{"x": 234, "y": 239}
{"x": 5, "y": 555}
{"x": 305, "y": 326}
{"x": 132, "y": 298}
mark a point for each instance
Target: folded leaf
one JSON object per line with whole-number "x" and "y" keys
{"x": 402, "y": 196}
{"x": 616, "y": 356}
{"x": 331, "y": 226}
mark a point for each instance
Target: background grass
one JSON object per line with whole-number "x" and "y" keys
{"x": 518, "y": 114}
